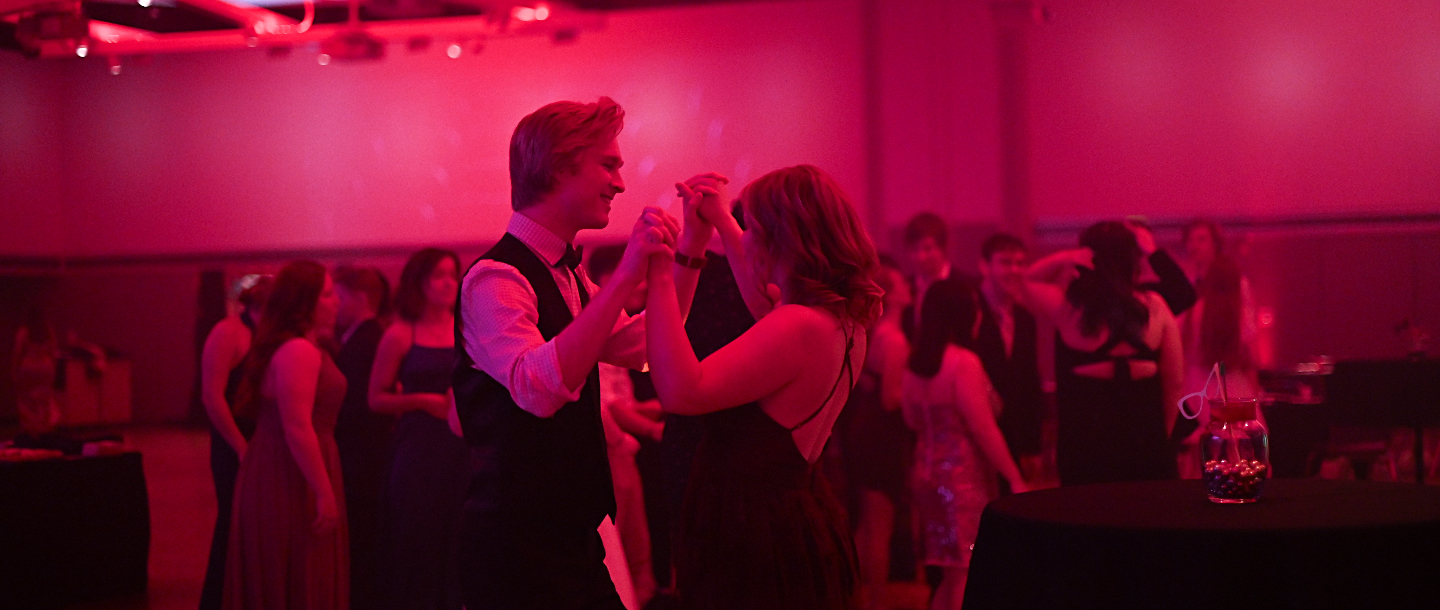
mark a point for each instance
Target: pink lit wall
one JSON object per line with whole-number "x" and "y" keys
{"x": 228, "y": 152}
{"x": 1230, "y": 108}
{"x": 31, "y": 202}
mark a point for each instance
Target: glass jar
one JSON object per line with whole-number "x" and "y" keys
{"x": 1234, "y": 452}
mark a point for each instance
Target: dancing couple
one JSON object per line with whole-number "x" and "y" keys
{"x": 760, "y": 528}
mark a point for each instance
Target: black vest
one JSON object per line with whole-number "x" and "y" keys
{"x": 547, "y": 471}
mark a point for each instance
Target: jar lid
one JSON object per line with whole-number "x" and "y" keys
{"x": 1234, "y": 410}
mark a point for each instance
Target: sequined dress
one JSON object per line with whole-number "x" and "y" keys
{"x": 952, "y": 481}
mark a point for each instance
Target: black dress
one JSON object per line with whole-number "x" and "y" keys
{"x": 876, "y": 445}
{"x": 425, "y": 493}
{"x": 224, "y": 467}
{"x": 1110, "y": 429}
{"x": 761, "y": 529}
{"x": 364, "y": 438}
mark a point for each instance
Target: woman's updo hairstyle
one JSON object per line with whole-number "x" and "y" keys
{"x": 807, "y": 224}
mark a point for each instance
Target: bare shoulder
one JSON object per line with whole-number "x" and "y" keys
{"x": 966, "y": 361}
{"x": 798, "y": 319}
{"x": 296, "y": 353}
{"x": 231, "y": 328}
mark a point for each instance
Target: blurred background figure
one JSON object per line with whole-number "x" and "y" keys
{"x": 952, "y": 406}
{"x": 1203, "y": 242}
{"x": 429, "y": 470}
{"x": 288, "y": 541}
{"x": 1007, "y": 345}
{"x": 876, "y": 444}
{"x": 628, "y": 420}
{"x": 926, "y": 239}
{"x": 1220, "y": 329}
{"x": 363, "y": 436}
{"x": 33, "y": 368}
{"x": 221, "y": 371}
{"x": 1118, "y": 362}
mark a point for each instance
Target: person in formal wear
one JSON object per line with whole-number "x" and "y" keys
{"x": 760, "y": 527}
{"x": 1166, "y": 277}
{"x": 33, "y": 369}
{"x": 949, "y": 401}
{"x": 362, "y": 435}
{"x": 1007, "y": 346}
{"x": 1118, "y": 360}
{"x": 876, "y": 445}
{"x": 221, "y": 368}
{"x": 531, "y": 328}
{"x": 288, "y": 537}
{"x": 425, "y": 485}
{"x": 926, "y": 239}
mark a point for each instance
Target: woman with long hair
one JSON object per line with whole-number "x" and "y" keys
{"x": 1118, "y": 362}
{"x": 1220, "y": 329}
{"x": 760, "y": 528}
{"x": 428, "y": 473}
{"x": 949, "y": 401}
{"x": 222, "y": 368}
{"x": 288, "y": 538}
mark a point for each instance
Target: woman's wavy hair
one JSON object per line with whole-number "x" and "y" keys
{"x": 1105, "y": 295}
{"x": 410, "y": 298}
{"x": 804, "y": 221}
{"x": 1220, "y": 320}
{"x": 288, "y": 313}
{"x": 947, "y": 317}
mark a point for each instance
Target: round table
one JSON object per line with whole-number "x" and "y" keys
{"x": 1161, "y": 544}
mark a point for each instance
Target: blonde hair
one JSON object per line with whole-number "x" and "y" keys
{"x": 551, "y": 140}
{"x": 805, "y": 221}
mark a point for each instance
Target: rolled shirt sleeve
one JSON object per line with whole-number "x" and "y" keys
{"x": 501, "y": 333}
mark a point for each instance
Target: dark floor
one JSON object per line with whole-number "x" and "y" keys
{"x": 182, "y": 513}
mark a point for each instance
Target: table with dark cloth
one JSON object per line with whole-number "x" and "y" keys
{"x": 72, "y": 530}
{"x": 1161, "y": 544}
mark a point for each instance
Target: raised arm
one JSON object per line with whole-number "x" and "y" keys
{"x": 1047, "y": 279}
{"x": 759, "y": 363}
{"x": 972, "y": 388}
{"x": 579, "y": 346}
{"x": 759, "y": 296}
{"x": 225, "y": 348}
{"x": 385, "y": 394}
{"x": 296, "y": 370}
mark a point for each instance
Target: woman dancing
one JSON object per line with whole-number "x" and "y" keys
{"x": 760, "y": 527}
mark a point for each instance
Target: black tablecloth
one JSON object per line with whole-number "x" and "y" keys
{"x": 72, "y": 530}
{"x": 1161, "y": 544}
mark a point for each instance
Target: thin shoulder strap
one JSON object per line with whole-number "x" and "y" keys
{"x": 846, "y": 370}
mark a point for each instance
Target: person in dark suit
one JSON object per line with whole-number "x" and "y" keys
{"x": 362, "y": 436}
{"x": 926, "y": 238}
{"x": 1006, "y": 344}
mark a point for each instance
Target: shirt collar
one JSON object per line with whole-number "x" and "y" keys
{"x": 548, "y": 246}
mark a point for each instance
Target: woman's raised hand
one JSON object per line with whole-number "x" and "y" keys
{"x": 706, "y": 199}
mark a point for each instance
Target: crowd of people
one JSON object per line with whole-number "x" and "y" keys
{"x": 475, "y": 440}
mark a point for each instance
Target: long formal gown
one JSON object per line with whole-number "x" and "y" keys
{"x": 761, "y": 528}
{"x": 276, "y": 560}
{"x": 952, "y": 480}
{"x": 426, "y": 492}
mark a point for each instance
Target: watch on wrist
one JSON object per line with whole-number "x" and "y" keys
{"x": 691, "y": 262}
